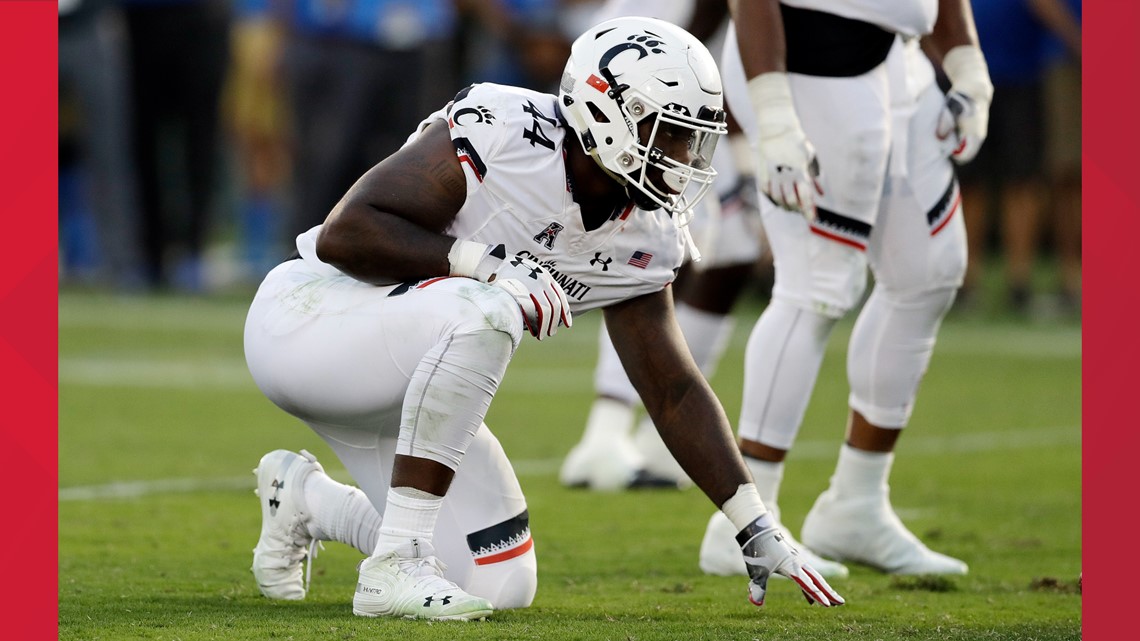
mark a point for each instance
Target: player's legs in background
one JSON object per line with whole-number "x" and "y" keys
{"x": 820, "y": 274}
{"x": 918, "y": 255}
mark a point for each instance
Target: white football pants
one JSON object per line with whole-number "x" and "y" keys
{"x": 891, "y": 203}
{"x": 377, "y": 371}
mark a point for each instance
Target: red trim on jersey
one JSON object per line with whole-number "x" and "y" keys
{"x": 953, "y": 208}
{"x": 628, "y": 210}
{"x": 506, "y": 555}
{"x": 838, "y": 239}
{"x": 597, "y": 83}
{"x": 431, "y": 282}
{"x": 471, "y": 163}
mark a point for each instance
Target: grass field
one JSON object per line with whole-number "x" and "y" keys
{"x": 160, "y": 425}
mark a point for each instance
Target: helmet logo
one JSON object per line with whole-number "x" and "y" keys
{"x": 643, "y": 45}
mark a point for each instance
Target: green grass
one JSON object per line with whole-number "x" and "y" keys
{"x": 153, "y": 391}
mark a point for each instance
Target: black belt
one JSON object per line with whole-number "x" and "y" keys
{"x": 824, "y": 44}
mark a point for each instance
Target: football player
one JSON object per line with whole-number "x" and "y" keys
{"x": 853, "y": 134}
{"x": 507, "y": 212}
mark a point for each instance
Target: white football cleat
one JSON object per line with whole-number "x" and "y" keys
{"x": 412, "y": 586}
{"x": 866, "y": 530}
{"x": 285, "y": 541}
{"x": 721, "y": 556}
{"x": 607, "y": 466}
{"x": 605, "y": 459}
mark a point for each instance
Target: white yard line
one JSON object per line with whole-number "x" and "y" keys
{"x": 1022, "y": 439}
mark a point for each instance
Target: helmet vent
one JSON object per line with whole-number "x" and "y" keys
{"x": 596, "y": 112}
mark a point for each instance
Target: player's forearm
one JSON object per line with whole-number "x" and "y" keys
{"x": 1057, "y": 17}
{"x": 381, "y": 248}
{"x": 677, "y": 397}
{"x": 707, "y": 18}
{"x": 760, "y": 35}
{"x": 955, "y": 26}
{"x": 696, "y": 430}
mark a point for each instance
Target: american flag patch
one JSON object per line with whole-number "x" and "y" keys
{"x": 640, "y": 259}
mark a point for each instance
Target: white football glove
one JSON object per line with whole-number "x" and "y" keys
{"x": 542, "y": 301}
{"x": 766, "y": 552}
{"x": 965, "y": 120}
{"x": 787, "y": 169}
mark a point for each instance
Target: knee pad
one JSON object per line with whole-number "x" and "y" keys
{"x": 508, "y": 584}
{"x": 889, "y": 352}
{"x": 506, "y": 568}
{"x": 920, "y": 248}
{"x": 813, "y": 272}
{"x": 450, "y": 392}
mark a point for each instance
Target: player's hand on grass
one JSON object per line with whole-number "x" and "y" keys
{"x": 766, "y": 552}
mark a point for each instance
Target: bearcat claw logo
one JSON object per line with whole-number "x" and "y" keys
{"x": 481, "y": 113}
{"x": 644, "y": 44}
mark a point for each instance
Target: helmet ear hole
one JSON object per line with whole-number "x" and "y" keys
{"x": 597, "y": 113}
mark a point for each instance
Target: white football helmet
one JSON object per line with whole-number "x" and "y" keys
{"x": 635, "y": 71}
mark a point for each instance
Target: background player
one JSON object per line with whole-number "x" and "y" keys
{"x": 852, "y": 132}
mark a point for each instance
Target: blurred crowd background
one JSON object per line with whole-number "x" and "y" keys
{"x": 197, "y": 138}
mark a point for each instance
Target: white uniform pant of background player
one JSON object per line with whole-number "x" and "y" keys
{"x": 884, "y": 175}
{"x": 414, "y": 373}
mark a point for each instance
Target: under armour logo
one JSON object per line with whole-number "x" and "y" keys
{"x": 605, "y": 263}
{"x": 517, "y": 262}
{"x": 444, "y": 601}
{"x": 273, "y": 502}
{"x": 546, "y": 237}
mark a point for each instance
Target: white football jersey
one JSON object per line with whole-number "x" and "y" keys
{"x": 908, "y": 17}
{"x": 509, "y": 141}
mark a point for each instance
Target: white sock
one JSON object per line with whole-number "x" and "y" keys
{"x": 341, "y": 513}
{"x": 610, "y": 378}
{"x": 768, "y": 476}
{"x": 409, "y": 516}
{"x": 860, "y": 472}
{"x": 609, "y": 419}
{"x": 707, "y": 335}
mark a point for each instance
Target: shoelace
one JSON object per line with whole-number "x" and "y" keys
{"x": 314, "y": 545}
{"x": 427, "y": 570}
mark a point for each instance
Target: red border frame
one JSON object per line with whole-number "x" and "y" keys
{"x": 28, "y": 289}
{"x": 1111, "y": 209}
{"x": 28, "y": 302}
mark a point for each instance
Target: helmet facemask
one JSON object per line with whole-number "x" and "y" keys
{"x": 670, "y": 161}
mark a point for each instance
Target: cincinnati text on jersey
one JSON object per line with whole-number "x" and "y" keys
{"x": 573, "y": 287}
